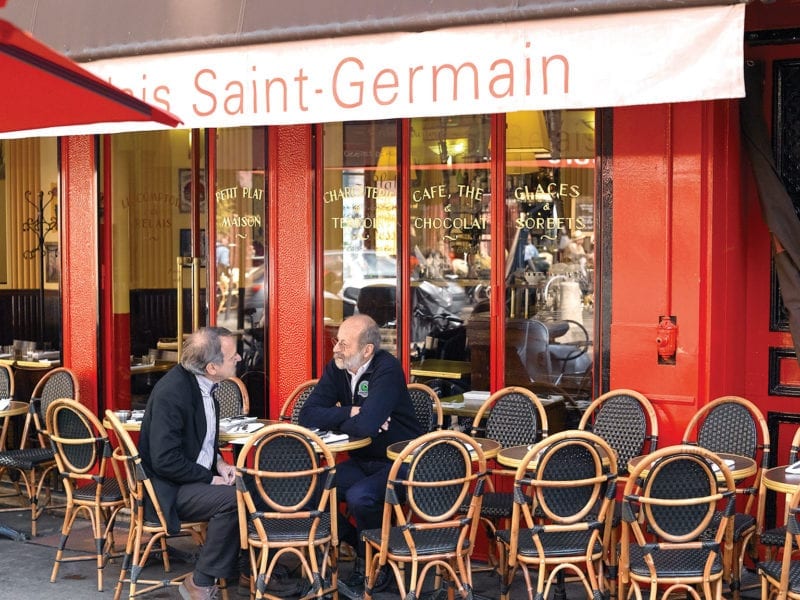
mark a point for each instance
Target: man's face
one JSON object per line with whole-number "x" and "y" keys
{"x": 347, "y": 350}
{"x": 226, "y": 369}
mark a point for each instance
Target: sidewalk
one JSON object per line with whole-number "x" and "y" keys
{"x": 25, "y": 567}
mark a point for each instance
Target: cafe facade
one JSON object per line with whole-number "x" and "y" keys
{"x": 544, "y": 197}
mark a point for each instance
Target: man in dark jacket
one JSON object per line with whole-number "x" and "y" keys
{"x": 363, "y": 393}
{"x": 178, "y": 444}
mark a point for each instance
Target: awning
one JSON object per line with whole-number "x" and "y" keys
{"x": 43, "y": 89}
{"x": 585, "y": 61}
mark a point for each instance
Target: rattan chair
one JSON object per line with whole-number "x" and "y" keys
{"x": 231, "y": 395}
{"x": 146, "y": 537}
{"x": 512, "y": 416}
{"x": 780, "y": 578}
{"x": 92, "y": 481}
{"x": 31, "y": 467}
{"x": 422, "y": 527}
{"x": 772, "y": 540}
{"x": 287, "y": 507}
{"x": 564, "y": 490}
{"x": 670, "y": 501}
{"x": 627, "y": 421}
{"x": 290, "y": 411}
{"x": 6, "y": 391}
{"x": 427, "y": 407}
{"x": 735, "y": 425}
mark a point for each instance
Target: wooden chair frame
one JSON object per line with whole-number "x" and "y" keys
{"x": 228, "y": 389}
{"x": 779, "y": 577}
{"x": 146, "y": 537}
{"x": 279, "y": 514}
{"x": 83, "y": 454}
{"x": 290, "y": 410}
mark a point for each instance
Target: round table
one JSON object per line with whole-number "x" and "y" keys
{"x": 14, "y": 409}
{"x": 778, "y": 480}
{"x": 743, "y": 466}
{"x": 514, "y": 455}
{"x": 490, "y": 448}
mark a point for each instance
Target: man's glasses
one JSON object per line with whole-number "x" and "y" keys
{"x": 342, "y": 344}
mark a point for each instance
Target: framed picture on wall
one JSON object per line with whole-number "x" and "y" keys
{"x": 185, "y": 190}
{"x": 52, "y": 266}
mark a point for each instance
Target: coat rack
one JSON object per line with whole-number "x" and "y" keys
{"x": 40, "y": 226}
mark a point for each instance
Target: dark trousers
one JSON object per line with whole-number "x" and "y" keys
{"x": 219, "y": 556}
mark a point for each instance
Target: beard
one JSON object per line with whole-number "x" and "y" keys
{"x": 350, "y": 364}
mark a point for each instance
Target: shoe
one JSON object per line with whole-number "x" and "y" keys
{"x": 190, "y": 591}
{"x": 353, "y": 588}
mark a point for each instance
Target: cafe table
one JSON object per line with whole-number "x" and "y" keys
{"x": 14, "y": 409}
{"x": 489, "y": 447}
{"x": 514, "y": 455}
{"x": 740, "y": 467}
{"x": 440, "y": 367}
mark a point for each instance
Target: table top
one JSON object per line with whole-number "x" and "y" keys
{"x": 15, "y": 407}
{"x": 456, "y": 406}
{"x": 30, "y": 364}
{"x": 158, "y": 367}
{"x": 440, "y": 367}
{"x": 778, "y": 480}
{"x": 743, "y": 466}
{"x": 513, "y": 455}
{"x": 489, "y": 447}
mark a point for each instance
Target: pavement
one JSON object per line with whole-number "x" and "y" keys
{"x": 25, "y": 567}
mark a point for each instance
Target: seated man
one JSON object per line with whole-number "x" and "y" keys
{"x": 178, "y": 443}
{"x": 363, "y": 393}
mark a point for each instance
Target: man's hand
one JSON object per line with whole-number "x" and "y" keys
{"x": 385, "y": 426}
{"x": 227, "y": 474}
{"x": 354, "y": 410}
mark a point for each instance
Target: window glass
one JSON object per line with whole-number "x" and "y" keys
{"x": 359, "y": 225}
{"x": 550, "y": 233}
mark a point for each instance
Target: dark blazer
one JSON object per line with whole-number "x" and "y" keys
{"x": 173, "y": 429}
{"x": 381, "y": 393}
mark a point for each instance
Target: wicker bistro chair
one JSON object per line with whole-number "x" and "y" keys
{"x": 564, "y": 490}
{"x": 772, "y": 540}
{"x": 290, "y": 411}
{"x": 735, "y": 425}
{"x": 146, "y": 537}
{"x": 670, "y": 501}
{"x": 627, "y": 421}
{"x": 83, "y": 454}
{"x": 512, "y": 416}
{"x": 6, "y": 391}
{"x": 780, "y": 578}
{"x": 427, "y": 407}
{"x": 231, "y": 395}
{"x": 31, "y": 467}
{"x": 289, "y": 508}
{"x": 436, "y": 473}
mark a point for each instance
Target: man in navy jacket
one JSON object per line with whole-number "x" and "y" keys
{"x": 178, "y": 443}
{"x": 363, "y": 393}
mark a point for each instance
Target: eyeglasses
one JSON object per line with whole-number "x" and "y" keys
{"x": 341, "y": 343}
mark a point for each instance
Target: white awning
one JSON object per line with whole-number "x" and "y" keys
{"x": 648, "y": 57}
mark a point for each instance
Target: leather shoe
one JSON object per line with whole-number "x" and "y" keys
{"x": 353, "y": 589}
{"x": 191, "y": 591}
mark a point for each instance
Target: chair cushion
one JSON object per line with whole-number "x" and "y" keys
{"x": 773, "y": 569}
{"x": 555, "y": 543}
{"x": 674, "y": 563}
{"x": 111, "y": 491}
{"x": 27, "y": 458}
{"x": 742, "y": 524}
{"x": 430, "y": 541}
{"x": 775, "y": 537}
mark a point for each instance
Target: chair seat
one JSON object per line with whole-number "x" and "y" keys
{"x": 27, "y": 458}
{"x": 775, "y": 537}
{"x": 674, "y": 563}
{"x": 556, "y": 543}
{"x": 432, "y": 541}
{"x": 742, "y": 524}
{"x": 773, "y": 569}
{"x": 111, "y": 492}
{"x": 292, "y": 530}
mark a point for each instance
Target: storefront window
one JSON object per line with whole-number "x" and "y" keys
{"x": 550, "y": 248}
{"x": 360, "y": 217}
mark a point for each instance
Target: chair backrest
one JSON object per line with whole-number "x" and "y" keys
{"x": 290, "y": 411}
{"x": 6, "y": 382}
{"x": 514, "y": 417}
{"x": 781, "y": 575}
{"x": 626, "y": 420}
{"x": 82, "y": 448}
{"x": 138, "y": 483}
{"x": 293, "y": 478}
{"x": 445, "y": 470}
{"x": 427, "y": 407}
{"x": 734, "y": 425}
{"x": 676, "y": 495}
{"x": 568, "y": 478}
{"x": 231, "y": 395}
{"x": 58, "y": 383}
{"x": 794, "y": 448}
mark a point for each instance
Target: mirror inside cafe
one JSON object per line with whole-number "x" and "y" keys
{"x": 30, "y": 264}
{"x": 546, "y": 267}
